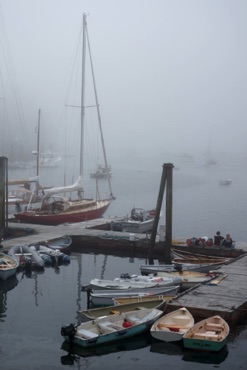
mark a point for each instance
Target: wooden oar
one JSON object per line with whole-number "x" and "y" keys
{"x": 217, "y": 280}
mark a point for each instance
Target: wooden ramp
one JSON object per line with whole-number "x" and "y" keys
{"x": 226, "y": 297}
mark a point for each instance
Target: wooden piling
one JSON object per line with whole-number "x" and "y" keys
{"x": 165, "y": 178}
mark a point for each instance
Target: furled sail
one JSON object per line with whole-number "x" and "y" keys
{"x": 77, "y": 186}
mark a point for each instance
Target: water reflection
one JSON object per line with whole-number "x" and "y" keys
{"x": 75, "y": 353}
{"x": 6, "y": 286}
{"x": 177, "y": 349}
{"x": 173, "y": 349}
{"x": 9, "y": 284}
{"x": 33, "y": 274}
{"x": 206, "y": 357}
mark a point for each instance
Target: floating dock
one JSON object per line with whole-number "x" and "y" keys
{"x": 227, "y": 297}
{"x": 94, "y": 236}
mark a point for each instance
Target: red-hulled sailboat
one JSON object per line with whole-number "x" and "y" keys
{"x": 56, "y": 209}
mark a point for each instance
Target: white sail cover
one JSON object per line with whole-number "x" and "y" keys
{"x": 77, "y": 186}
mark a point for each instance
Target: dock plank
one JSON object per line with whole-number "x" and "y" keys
{"x": 88, "y": 236}
{"x": 227, "y": 299}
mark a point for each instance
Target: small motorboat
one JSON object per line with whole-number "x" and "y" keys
{"x": 8, "y": 266}
{"x": 207, "y": 335}
{"x": 111, "y": 328}
{"x": 101, "y": 172}
{"x": 129, "y": 344}
{"x": 172, "y": 326}
{"x": 135, "y": 281}
{"x": 105, "y": 297}
{"x": 140, "y": 221}
{"x": 225, "y": 182}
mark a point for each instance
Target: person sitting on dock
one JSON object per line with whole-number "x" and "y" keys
{"x": 209, "y": 242}
{"x": 227, "y": 242}
{"x": 218, "y": 239}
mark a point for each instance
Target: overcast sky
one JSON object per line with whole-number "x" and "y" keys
{"x": 170, "y": 74}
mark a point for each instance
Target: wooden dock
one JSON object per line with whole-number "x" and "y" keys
{"x": 90, "y": 236}
{"x": 227, "y": 298}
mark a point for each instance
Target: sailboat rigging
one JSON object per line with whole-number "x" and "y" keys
{"x": 28, "y": 195}
{"x": 210, "y": 160}
{"x": 55, "y": 209}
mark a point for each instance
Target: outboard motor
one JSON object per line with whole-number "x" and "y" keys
{"x": 68, "y": 331}
{"x": 67, "y": 360}
{"x": 18, "y": 208}
{"x": 125, "y": 276}
{"x": 178, "y": 267}
{"x": 28, "y": 267}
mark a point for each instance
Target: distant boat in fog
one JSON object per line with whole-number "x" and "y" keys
{"x": 101, "y": 172}
{"x": 225, "y": 182}
{"x": 48, "y": 159}
{"x": 211, "y": 162}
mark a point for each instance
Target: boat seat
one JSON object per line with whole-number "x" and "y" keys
{"x": 171, "y": 327}
{"x": 108, "y": 327}
{"x": 86, "y": 334}
{"x": 211, "y": 326}
{"x": 116, "y": 327}
{"x": 208, "y": 335}
{"x": 134, "y": 320}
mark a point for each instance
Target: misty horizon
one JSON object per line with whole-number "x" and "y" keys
{"x": 170, "y": 76}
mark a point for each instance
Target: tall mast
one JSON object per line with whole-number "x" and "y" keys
{"x": 83, "y": 92}
{"x": 98, "y": 113}
{"x": 38, "y": 140}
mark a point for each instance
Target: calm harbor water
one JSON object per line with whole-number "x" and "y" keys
{"x": 33, "y": 308}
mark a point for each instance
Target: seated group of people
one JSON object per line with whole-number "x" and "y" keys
{"x": 218, "y": 240}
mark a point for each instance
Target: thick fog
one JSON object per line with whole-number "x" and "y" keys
{"x": 170, "y": 75}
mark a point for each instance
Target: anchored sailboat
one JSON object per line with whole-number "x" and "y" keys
{"x": 56, "y": 209}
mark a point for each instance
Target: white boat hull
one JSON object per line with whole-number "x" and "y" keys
{"x": 138, "y": 227}
{"x": 172, "y": 326}
{"x": 135, "y": 281}
{"x": 105, "y": 297}
{"x": 110, "y": 328}
{"x": 8, "y": 266}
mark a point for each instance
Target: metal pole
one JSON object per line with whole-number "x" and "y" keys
{"x": 38, "y": 145}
